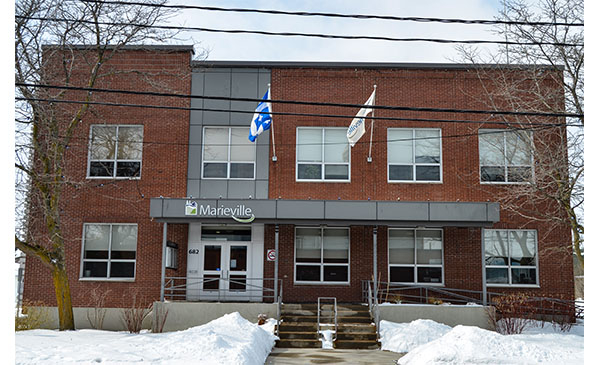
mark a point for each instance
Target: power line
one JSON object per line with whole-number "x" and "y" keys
{"x": 166, "y": 107}
{"x": 338, "y": 15}
{"x": 309, "y": 103}
{"x": 298, "y": 34}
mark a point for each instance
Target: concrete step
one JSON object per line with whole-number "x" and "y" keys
{"x": 363, "y": 336}
{"x": 313, "y": 307}
{"x": 298, "y": 327}
{"x": 298, "y": 335}
{"x": 325, "y": 313}
{"x": 299, "y": 343}
{"x": 326, "y": 319}
{"x": 356, "y": 344}
{"x": 356, "y": 328}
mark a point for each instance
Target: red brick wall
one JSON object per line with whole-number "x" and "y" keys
{"x": 164, "y": 171}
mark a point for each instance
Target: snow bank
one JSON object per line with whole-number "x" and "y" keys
{"x": 227, "y": 340}
{"x": 403, "y": 337}
{"x": 465, "y": 344}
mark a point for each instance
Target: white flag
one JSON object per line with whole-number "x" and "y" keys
{"x": 357, "y": 127}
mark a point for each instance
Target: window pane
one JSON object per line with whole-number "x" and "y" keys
{"x": 128, "y": 169}
{"x": 216, "y": 143}
{"x": 237, "y": 283}
{"x": 241, "y": 147}
{"x": 402, "y": 274}
{"x": 491, "y": 148}
{"x": 309, "y": 172}
{"x": 492, "y": 173}
{"x": 96, "y": 241}
{"x": 336, "y": 172}
{"x": 429, "y": 247}
{"x": 239, "y": 234}
{"x": 310, "y": 142}
{"x": 102, "y": 168}
{"x": 496, "y": 275}
{"x": 401, "y": 246}
{"x": 336, "y": 145}
{"x": 122, "y": 269}
{"x": 211, "y": 282}
{"x": 238, "y": 257}
{"x": 523, "y": 276}
{"x": 496, "y": 247}
{"x": 130, "y": 143}
{"x": 401, "y": 172}
{"x": 308, "y": 245}
{"x": 215, "y": 170}
{"x": 428, "y": 173}
{"x": 335, "y": 245}
{"x": 241, "y": 171}
{"x": 212, "y": 257}
{"x": 103, "y": 142}
{"x": 519, "y": 174}
{"x": 335, "y": 273}
{"x": 308, "y": 273}
{"x": 400, "y": 146}
{"x": 522, "y": 248}
{"x": 124, "y": 242}
{"x": 518, "y": 148}
{"x": 95, "y": 269}
{"x": 429, "y": 274}
{"x": 427, "y": 146}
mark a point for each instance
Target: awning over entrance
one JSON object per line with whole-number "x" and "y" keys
{"x": 400, "y": 213}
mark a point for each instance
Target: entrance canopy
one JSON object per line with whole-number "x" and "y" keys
{"x": 400, "y": 213}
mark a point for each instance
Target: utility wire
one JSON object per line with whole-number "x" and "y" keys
{"x": 309, "y": 103}
{"x": 297, "y": 34}
{"x": 167, "y": 107}
{"x": 338, "y": 15}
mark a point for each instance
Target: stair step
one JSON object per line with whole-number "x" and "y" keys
{"x": 302, "y": 319}
{"x": 313, "y": 307}
{"x": 290, "y": 335}
{"x": 297, "y": 327}
{"x": 356, "y": 328}
{"x": 349, "y": 336}
{"x": 356, "y": 344}
{"x": 324, "y": 313}
{"x": 299, "y": 343}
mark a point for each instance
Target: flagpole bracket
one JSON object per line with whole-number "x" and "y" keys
{"x": 274, "y": 158}
{"x": 369, "y": 159}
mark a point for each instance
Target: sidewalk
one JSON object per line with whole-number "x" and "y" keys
{"x": 284, "y": 356}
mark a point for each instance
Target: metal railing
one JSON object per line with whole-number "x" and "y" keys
{"x": 204, "y": 288}
{"x": 423, "y": 294}
{"x": 279, "y": 303}
{"x": 335, "y": 315}
{"x": 373, "y": 307}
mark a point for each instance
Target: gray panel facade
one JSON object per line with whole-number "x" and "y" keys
{"x": 236, "y": 83}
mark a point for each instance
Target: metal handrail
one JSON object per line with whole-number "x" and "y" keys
{"x": 279, "y": 303}
{"x": 176, "y": 288}
{"x": 335, "y": 314}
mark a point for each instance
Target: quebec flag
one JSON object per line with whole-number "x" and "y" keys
{"x": 357, "y": 127}
{"x": 261, "y": 121}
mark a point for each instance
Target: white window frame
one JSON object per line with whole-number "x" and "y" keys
{"x": 509, "y": 266}
{"x": 229, "y": 161}
{"x": 115, "y": 160}
{"x": 322, "y": 264}
{"x": 107, "y": 260}
{"x": 505, "y": 164}
{"x": 323, "y": 163}
{"x": 415, "y": 265}
{"x": 415, "y": 164}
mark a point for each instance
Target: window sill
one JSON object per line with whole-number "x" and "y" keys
{"x": 413, "y": 182}
{"x": 318, "y": 283}
{"x": 127, "y": 280}
{"x": 113, "y": 178}
{"x": 532, "y": 286}
{"x": 323, "y": 181}
{"x": 504, "y": 183}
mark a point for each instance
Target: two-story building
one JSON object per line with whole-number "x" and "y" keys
{"x": 180, "y": 205}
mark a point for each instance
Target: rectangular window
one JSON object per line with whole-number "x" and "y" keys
{"x": 171, "y": 255}
{"x": 505, "y": 156}
{"x": 322, "y": 154}
{"x": 414, "y": 155}
{"x": 415, "y": 256}
{"x": 227, "y": 153}
{"x": 115, "y": 151}
{"x": 322, "y": 255}
{"x": 109, "y": 251}
{"x": 510, "y": 257}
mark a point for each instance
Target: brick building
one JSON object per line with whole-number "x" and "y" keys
{"x": 415, "y": 204}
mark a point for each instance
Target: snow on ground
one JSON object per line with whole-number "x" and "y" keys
{"x": 403, "y": 337}
{"x": 227, "y": 340}
{"x": 429, "y": 342}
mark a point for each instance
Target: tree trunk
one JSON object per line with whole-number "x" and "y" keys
{"x": 63, "y": 299}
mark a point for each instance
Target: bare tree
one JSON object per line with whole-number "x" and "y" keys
{"x": 64, "y": 43}
{"x": 546, "y": 78}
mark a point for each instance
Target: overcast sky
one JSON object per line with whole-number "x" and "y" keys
{"x": 223, "y": 46}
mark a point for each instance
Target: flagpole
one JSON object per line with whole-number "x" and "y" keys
{"x": 274, "y": 158}
{"x": 369, "y": 159}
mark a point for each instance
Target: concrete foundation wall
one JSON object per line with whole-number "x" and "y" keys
{"x": 183, "y": 315}
{"x": 112, "y": 319}
{"x": 451, "y": 315}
